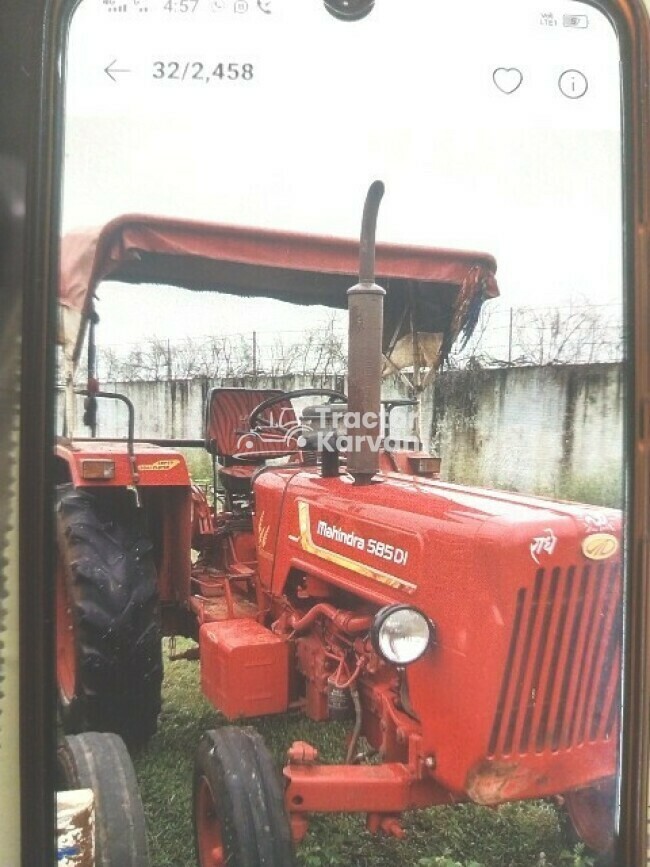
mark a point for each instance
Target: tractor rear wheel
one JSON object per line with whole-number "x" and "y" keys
{"x": 101, "y": 762}
{"x": 591, "y": 816}
{"x": 109, "y": 651}
{"x": 239, "y": 815}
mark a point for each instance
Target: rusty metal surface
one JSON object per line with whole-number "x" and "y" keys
{"x": 495, "y": 783}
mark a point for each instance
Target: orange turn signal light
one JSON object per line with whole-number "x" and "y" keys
{"x": 97, "y": 469}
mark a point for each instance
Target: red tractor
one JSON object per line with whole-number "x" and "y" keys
{"x": 471, "y": 637}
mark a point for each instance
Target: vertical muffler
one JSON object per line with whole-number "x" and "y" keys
{"x": 366, "y": 315}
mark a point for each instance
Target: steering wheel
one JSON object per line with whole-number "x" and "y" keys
{"x": 255, "y": 423}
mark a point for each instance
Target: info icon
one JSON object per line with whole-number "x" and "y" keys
{"x": 573, "y": 84}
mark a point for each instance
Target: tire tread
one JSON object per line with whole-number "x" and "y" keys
{"x": 100, "y": 761}
{"x": 114, "y": 589}
{"x": 239, "y": 767}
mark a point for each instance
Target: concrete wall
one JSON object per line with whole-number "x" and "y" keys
{"x": 554, "y": 430}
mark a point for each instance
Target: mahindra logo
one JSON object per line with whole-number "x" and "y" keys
{"x": 600, "y": 546}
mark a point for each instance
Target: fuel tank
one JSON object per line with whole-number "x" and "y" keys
{"x": 521, "y": 692}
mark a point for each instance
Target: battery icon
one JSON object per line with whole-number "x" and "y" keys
{"x": 579, "y": 21}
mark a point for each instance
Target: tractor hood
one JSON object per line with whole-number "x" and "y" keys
{"x": 437, "y": 293}
{"x": 525, "y": 595}
{"x": 432, "y": 533}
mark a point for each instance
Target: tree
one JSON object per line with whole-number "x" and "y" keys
{"x": 577, "y": 334}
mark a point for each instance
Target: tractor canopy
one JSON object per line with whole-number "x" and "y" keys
{"x": 433, "y": 296}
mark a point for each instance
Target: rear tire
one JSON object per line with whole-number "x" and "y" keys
{"x": 109, "y": 651}
{"x": 101, "y": 762}
{"x": 239, "y": 814}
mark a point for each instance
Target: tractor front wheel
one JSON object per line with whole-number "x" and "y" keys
{"x": 239, "y": 815}
{"x": 108, "y": 641}
{"x": 591, "y": 814}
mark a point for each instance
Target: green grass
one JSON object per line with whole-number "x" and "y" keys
{"x": 516, "y": 835}
{"x": 199, "y": 464}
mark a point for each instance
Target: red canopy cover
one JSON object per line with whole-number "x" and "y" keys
{"x": 441, "y": 289}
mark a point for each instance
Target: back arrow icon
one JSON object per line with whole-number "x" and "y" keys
{"x": 109, "y": 70}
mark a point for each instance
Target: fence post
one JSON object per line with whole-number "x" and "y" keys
{"x": 510, "y": 336}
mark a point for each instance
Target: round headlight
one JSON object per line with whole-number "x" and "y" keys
{"x": 401, "y": 634}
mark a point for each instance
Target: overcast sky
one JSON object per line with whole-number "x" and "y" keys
{"x": 532, "y": 177}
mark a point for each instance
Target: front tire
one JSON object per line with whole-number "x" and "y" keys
{"x": 239, "y": 815}
{"x": 101, "y": 762}
{"x": 109, "y": 650}
{"x": 591, "y": 816}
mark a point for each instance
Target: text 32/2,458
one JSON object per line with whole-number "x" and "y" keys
{"x": 196, "y": 70}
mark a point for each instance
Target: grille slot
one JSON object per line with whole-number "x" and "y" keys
{"x": 560, "y": 684}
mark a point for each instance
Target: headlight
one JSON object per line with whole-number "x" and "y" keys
{"x": 401, "y": 634}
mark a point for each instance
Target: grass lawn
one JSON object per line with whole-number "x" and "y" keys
{"x": 516, "y": 835}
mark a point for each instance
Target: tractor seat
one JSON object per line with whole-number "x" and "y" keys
{"x": 228, "y": 436}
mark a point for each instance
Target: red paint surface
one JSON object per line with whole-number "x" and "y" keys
{"x": 244, "y": 668}
{"x": 156, "y": 466}
{"x": 470, "y": 564}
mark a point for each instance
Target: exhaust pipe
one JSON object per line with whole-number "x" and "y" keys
{"x": 366, "y": 311}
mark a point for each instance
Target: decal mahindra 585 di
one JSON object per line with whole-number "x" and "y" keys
{"x": 323, "y": 538}
{"x": 470, "y": 637}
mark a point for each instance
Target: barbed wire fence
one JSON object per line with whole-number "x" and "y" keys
{"x": 577, "y": 333}
{"x": 320, "y": 351}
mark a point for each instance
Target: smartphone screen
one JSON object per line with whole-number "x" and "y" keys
{"x": 496, "y": 516}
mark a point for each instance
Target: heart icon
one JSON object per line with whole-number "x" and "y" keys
{"x": 507, "y": 80}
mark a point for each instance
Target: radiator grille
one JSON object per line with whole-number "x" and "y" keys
{"x": 560, "y": 685}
